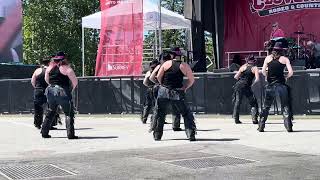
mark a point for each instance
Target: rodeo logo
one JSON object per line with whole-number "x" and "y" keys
{"x": 271, "y": 7}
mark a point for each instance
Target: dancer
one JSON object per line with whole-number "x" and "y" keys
{"x": 39, "y": 98}
{"x": 58, "y": 75}
{"x": 273, "y": 69}
{"x": 172, "y": 91}
{"x": 176, "y": 116}
{"x": 149, "y": 97}
{"x": 245, "y": 76}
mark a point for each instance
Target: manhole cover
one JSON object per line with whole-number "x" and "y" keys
{"x": 33, "y": 172}
{"x": 178, "y": 156}
{"x": 200, "y": 163}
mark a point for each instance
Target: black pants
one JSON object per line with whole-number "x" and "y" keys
{"x": 39, "y": 99}
{"x": 56, "y": 95}
{"x": 175, "y": 98}
{"x": 273, "y": 90}
{"x": 238, "y": 94}
{"x": 149, "y": 104}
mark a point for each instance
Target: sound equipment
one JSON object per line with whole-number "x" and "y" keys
{"x": 198, "y": 66}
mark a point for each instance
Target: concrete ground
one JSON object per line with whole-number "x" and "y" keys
{"x": 120, "y": 147}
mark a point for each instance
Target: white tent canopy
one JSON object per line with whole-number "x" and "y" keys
{"x": 169, "y": 19}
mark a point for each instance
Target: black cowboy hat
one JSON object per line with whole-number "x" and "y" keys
{"x": 154, "y": 63}
{"x": 59, "y": 56}
{"x": 278, "y": 46}
{"x": 251, "y": 59}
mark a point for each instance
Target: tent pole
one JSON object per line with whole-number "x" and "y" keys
{"x": 83, "y": 74}
{"x": 156, "y": 40}
{"x": 160, "y": 29}
{"x": 154, "y": 45}
{"x": 217, "y": 34}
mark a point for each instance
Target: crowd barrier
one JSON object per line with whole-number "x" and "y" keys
{"x": 211, "y": 94}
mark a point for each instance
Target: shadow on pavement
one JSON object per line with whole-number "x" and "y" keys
{"x": 77, "y": 129}
{"x": 203, "y": 139}
{"x": 90, "y": 137}
{"x": 266, "y": 123}
{"x": 306, "y": 130}
{"x": 207, "y": 130}
{"x": 201, "y": 130}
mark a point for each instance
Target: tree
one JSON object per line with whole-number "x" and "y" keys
{"x": 170, "y": 38}
{"x": 51, "y": 26}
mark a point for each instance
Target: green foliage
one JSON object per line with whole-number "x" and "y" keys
{"x": 170, "y": 38}
{"x": 209, "y": 51}
{"x": 55, "y": 25}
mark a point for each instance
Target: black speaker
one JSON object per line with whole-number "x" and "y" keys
{"x": 298, "y": 62}
{"x": 198, "y": 66}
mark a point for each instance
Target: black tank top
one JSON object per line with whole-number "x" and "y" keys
{"x": 173, "y": 77}
{"x": 40, "y": 82}
{"x": 149, "y": 82}
{"x": 57, "y": 78}
{"x": 276, "y": 72}
{"x": 247, "y": 76}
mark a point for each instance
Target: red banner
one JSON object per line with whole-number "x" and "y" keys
{"x": 248, "y": 23}
{"x": 120, "y": 50}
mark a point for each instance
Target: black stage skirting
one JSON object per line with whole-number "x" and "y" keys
{"x": 211, "y": 93}
{"x": 16, "y": 71}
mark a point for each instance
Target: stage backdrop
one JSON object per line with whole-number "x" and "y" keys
{"x": 10, "y": 31}
{"x": 248, "y": 23}
{"x": 120, "y": 50}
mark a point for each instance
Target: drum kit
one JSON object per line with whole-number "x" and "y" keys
{"x": 296, "y": 45}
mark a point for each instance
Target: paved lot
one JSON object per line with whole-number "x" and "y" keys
{"x": 119, "y": 147}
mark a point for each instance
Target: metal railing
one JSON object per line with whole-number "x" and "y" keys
{"x": 260, "y": 54}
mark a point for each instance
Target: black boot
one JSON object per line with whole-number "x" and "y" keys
{"x": 288, "y": 125}
{"x": 145, "y": 114}
{"x": 262, "y": 121}
{"x": 70, "y": 127}
{"x": 261, "y": 126}
{"x": 254, "y": 115}
{"x": 46, "y": 136}
{"x": 236, "y": 119}
{"x": 191, "y": 134}
{"x": 235, "y": 116}
{"x": 177, "y": 129}
{"x": 157, "y": 136}
{"x": 287, "y": 119}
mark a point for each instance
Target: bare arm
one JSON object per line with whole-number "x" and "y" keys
{"x": 256, "y": 74}
{"x": 188, "y": 72}
{"x": 160, "y": 74}
{"x": 73, "y": 78}
{"x": 154, "y": 74}
{"x": 33, "y": 78}
{"x": 46, "y": 76}
{"x": 237, "y": 75}
{"x": 264, "y": 67}
{"x": 145, "y": 81}
{"x": 289, "y": 68}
